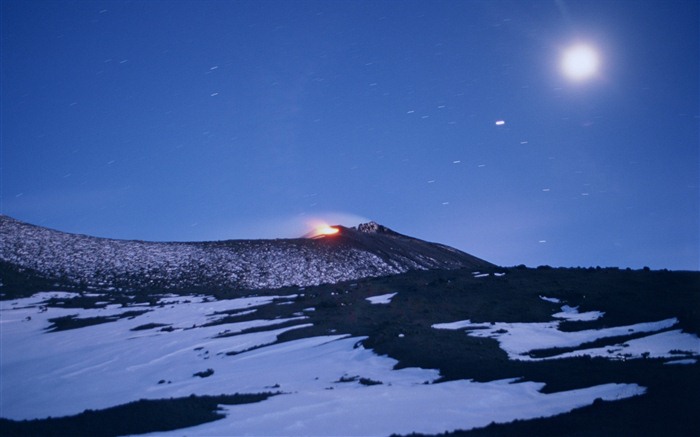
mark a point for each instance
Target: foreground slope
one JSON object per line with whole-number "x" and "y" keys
{"x": 587, "y": 351}
{"x": 32, "y": 256}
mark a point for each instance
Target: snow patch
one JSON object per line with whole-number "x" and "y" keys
{"x": 550, "y": 299}
{"x": 658, "y": 345}
{"x": 382, "y": 299}
{"x": 520, "y": 339}
{"x": 572, "y": 314}
{"x": 682, "y": 361}
{"x": 401, "y": 409}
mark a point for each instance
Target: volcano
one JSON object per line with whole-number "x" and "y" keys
{"x": 32, "y": 253}
{"x": 400, "y": 337}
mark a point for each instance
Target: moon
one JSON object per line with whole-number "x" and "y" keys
{"x": 580, "y": 62}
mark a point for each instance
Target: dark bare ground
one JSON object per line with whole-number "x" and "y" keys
{"x": 138, "y": 417}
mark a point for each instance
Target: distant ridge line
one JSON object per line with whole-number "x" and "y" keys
{"x": 370, "y": 250}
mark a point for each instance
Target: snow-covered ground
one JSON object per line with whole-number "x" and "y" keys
{"x": 520, "y": 339}
{"x": 401, "y": 408}
{"x": 65, "y": 372}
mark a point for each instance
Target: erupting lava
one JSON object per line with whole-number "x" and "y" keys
{"x": 321, "y": 229}
{"x": 325, "y": 230}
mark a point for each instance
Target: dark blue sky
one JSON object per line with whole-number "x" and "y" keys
{"x": 206, "y": 120}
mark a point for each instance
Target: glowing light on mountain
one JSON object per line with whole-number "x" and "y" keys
{"x": 321, "y": 229}
{"x": 327, "y": 230}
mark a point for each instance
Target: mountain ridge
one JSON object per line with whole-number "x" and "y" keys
{"x": 369, "y": 250}
{"x": 498, "y": 351}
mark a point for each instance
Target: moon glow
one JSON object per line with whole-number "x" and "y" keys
{"x": 580, "y": 62}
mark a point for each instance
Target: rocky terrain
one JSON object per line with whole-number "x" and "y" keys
{"x": 370, "y": 250}
{"x": 401, "y": 337}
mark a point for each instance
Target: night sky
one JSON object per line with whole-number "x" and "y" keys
{"x": 450, "y": 121}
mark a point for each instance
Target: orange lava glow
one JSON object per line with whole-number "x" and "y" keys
{"x": 327, "y": 230}
{"x": 320, "y": 229}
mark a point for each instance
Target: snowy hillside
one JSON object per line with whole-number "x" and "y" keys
{"x": 104, "y": 264}
{"x": 361, "y": 332}
{"x": 321, "y": 380}
{"x": 424, "y": 352}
